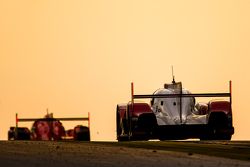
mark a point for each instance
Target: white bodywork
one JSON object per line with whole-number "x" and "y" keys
{"x": 167, "y": 110}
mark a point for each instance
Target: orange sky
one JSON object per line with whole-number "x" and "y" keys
{"x": 78, "y": 56}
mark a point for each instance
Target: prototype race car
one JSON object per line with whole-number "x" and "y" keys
{"x": 174, "y": 114}
{"x": 49, "y": 128}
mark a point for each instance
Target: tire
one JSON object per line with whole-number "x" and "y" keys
{"x": 218, "y": 137}
{"x": 120, "y": 130}
{"x": 227, "y": 137}
{"x": 217, "y": 122}
{"x": 9, "y": 136}
{"x": 118, "y": 125}
{"x": 83, "y": 134}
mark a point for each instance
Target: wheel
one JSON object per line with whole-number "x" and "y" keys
{"x": 10, "y": 136}
{"x": 214, "y": 135}
{"x": 224, "y": 137}
{"x": 81, "y": 133}
{"x": 118, "y": 125}
{"x": 227, "y": 137}
{"x": 120, "y": 131}
{"x": 218, "y": 123}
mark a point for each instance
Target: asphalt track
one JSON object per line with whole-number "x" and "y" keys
{"x": 124, "y": 154}
{"x": 228, "y": 149}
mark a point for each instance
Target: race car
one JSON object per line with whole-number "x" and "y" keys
{"x": 49, "y": 128}
{"x": 174, "y": 114}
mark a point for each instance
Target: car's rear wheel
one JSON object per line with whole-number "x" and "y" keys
{"x": 218, "y": 124}
{"x": 118, "y": 125}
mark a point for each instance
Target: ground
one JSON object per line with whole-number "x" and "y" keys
{"x": 125, "y": 154}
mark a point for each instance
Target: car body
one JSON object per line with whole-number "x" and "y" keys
{"x": 49, "y": 128}
{"x": 174, "y": 114}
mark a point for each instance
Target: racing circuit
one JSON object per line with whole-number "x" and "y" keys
{"x": 171, "y": 116}
{"x": 121, "y": 154}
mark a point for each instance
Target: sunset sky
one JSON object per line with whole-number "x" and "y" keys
{"x": 80, "y": 56}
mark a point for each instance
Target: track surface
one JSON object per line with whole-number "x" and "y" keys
{"x": 124, "y": 154}
{"x": 229, "y": 149}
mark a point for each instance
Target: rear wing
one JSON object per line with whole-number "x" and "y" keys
{"x": 180, "y": 95}
{"x": 51, "y": 119}
{"x": 146, "y": 96}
